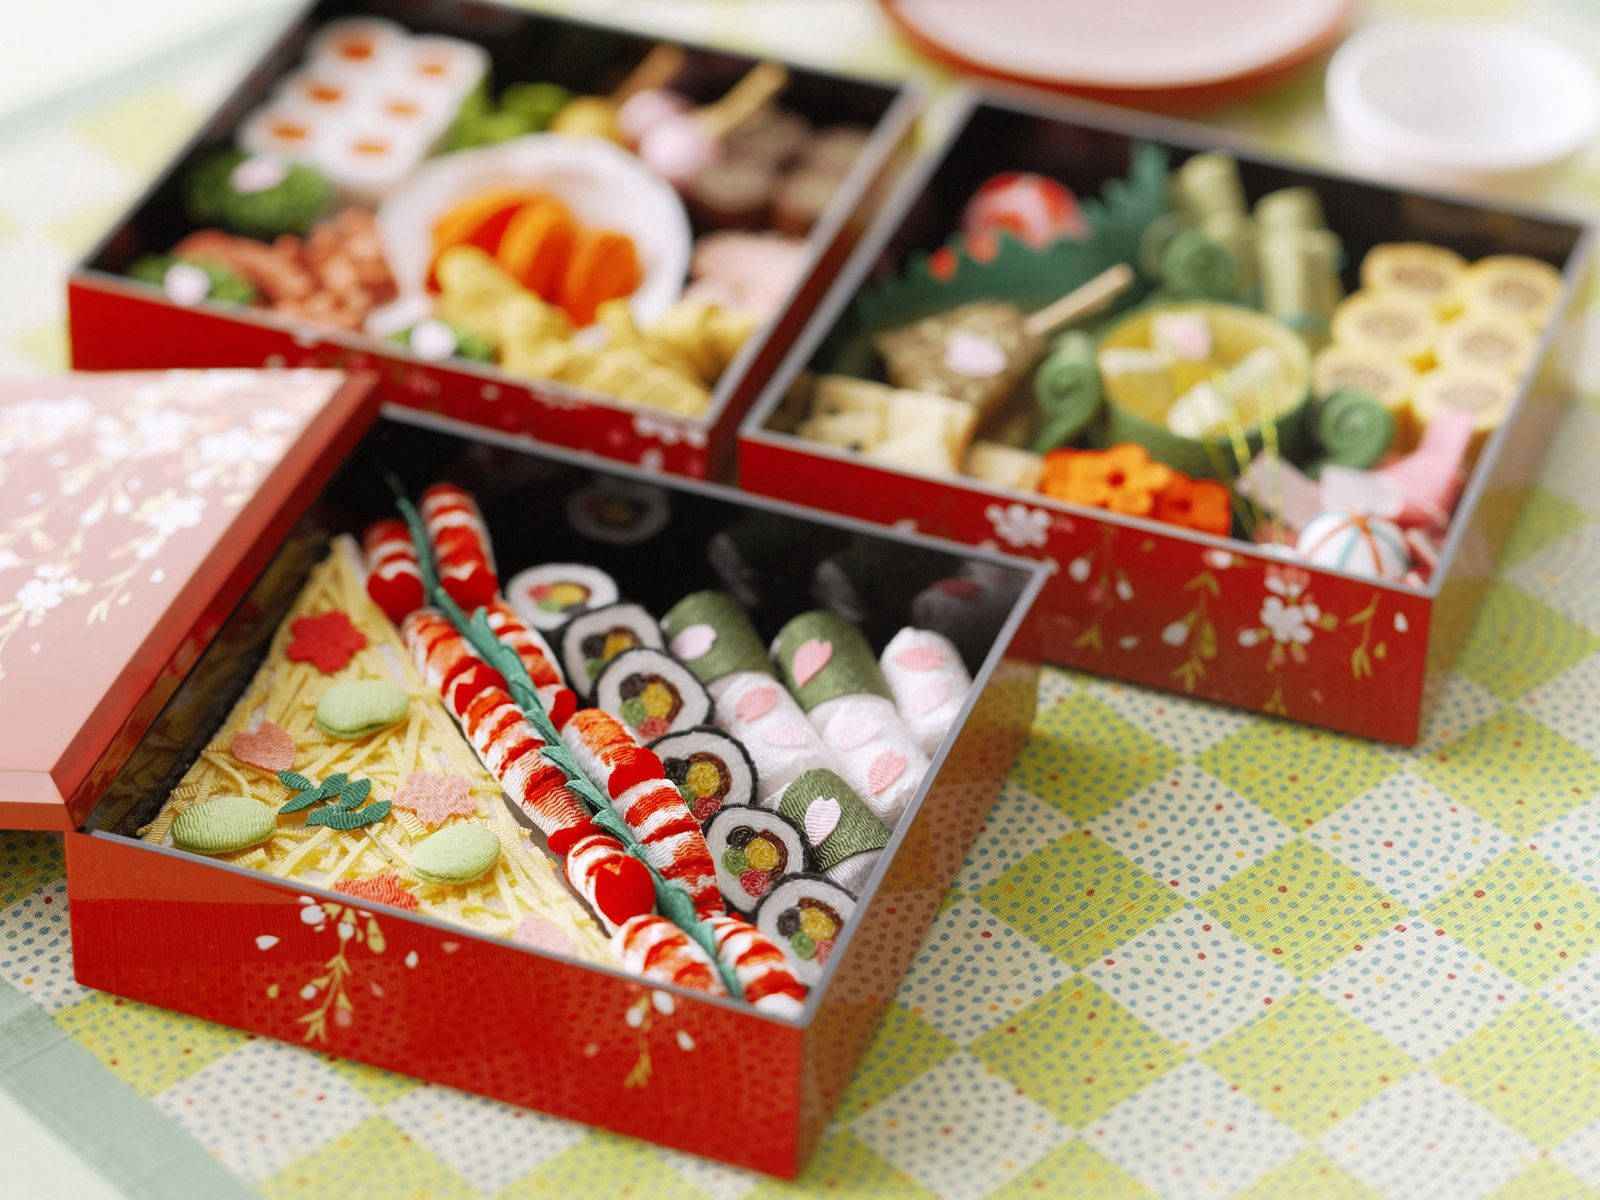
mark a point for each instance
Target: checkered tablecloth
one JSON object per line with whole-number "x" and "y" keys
{"x": 1194, "y": 953}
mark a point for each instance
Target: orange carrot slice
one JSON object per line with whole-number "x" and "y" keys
{"x": 604, "y": 265}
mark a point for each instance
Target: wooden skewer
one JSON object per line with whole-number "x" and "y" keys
{"x": 655, "y": 69}
{"x": 1081, "y": 301}
{"x": 744, "y": 99}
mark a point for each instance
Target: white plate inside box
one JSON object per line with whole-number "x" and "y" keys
{"x": 601, "y": 183}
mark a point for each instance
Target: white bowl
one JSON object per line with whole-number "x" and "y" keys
{"x": 1456, "y": 102}
{"x": 601, "y": 183}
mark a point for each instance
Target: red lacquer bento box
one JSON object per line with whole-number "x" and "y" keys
{"x": 862, "y": 130}
{"x": 519, "y": 1022}
{"x": 1150, "y": 602}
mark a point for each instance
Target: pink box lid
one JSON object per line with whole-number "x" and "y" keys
{"x": 135, "y": 510}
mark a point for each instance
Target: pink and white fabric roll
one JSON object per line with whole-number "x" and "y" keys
{"x": 876, "y": 752}
{"x": 758, "y": 711}
{"x": 929, "y": 682}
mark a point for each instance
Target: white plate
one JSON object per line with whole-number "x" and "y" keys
{"x": 1460, "y": 100}
{"x": 601, "y": 183}
{"x": 1130, "y": 44}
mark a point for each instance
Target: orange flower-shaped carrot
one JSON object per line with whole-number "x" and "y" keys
{"x": 1198, "y": 504}
{"x": 1123, "y": 478}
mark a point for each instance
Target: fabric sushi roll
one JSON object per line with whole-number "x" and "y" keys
{"x": 710, "y": 634}
{"x": 461, "y": 545}
{"x": 448, "y": 67}
{"x": 804, "y": 916}
{"x": 759, "y": 966}
{"x": 831, "y": 671}
{"x": 713, "y": 637}
{"x": 710, "y": 769}
{"x": 656, "y": 949}
{"x": 608, "y": 753}
{"x": 929, "y": 683}
{"x": 592, "y": 639}
{"x": 615, "y": 884}
{"x": 550, "y": 595}
{"x": 842, "y": 836}
{"x": 559, "y": 701}
{"x": 394, "y": 577}
{"x": 367, "y": 158}
{"x": 753, "y": 848}
{"x": 286, "y": 130}
{"x": 671, "y": 840}
{"x": 653, "y": 693}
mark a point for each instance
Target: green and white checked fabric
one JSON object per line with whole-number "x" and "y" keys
{"x": 1195, "y": 952}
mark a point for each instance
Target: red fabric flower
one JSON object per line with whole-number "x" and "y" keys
{"x": 380, "y": 889}
{"x": 327, "y": 641}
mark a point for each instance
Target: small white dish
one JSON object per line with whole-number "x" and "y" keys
{"x": 1459, "y": 102}
{"x": 601, "y": 183}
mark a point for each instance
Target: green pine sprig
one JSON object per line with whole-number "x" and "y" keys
{"x": 672, "y": 901}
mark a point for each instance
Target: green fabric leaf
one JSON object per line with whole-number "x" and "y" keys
{"x": 354, "y": 795}
{"x": 301, "y": 800}
{"x": 295, "y": 780}
{"x": 337, "y": 818}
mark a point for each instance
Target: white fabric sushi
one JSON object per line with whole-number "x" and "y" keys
{"x": 756, "y": 710}
{"x": 711, "y": 769}
{"x": 929, "y": 682}
{"x": 592, "y": 639}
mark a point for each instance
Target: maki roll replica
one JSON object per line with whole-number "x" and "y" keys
{"x": 652, "y": 692}
{"x": 711, "y": 635}
{"x": 842, "y": 835}
{"x": 833, "y": 674}
{"x": 549, "y": 596}
{"x": 753, "y": 848}
{"x": 804, "y": 915}
{"x": 711, "y": 769}
{"x": 592, "y": 639}
{"x": 929, "y": 682}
